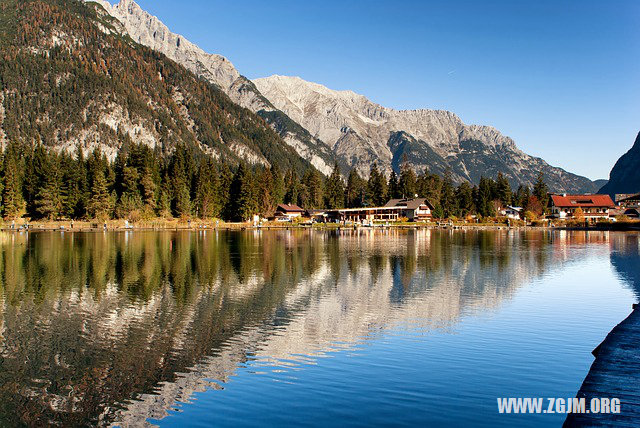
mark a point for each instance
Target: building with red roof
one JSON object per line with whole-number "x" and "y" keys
{"x": 288, "y": 212}
{"x": 592, "y": 206}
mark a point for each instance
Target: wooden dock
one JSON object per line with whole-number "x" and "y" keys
{"x": 615, "y": 373}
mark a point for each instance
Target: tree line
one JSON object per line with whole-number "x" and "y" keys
{"x": 143, "y": 183}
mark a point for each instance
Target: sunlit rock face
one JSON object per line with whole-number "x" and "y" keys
{"x": 103, "y": 328}
{"x": 149, "y": 31}
{"x": 361, "y": 132}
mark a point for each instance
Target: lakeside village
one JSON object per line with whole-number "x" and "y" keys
{"x": 563, "y": 208}
{"x": 585, "y": 210}
{"x": 143, "y": 189}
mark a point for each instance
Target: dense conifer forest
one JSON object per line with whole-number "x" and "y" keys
{"x": 142, "y": 184}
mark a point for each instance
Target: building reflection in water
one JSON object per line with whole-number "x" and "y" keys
{"x": 104, "y": 327}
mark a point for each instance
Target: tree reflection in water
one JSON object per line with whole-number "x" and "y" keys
{"x": 104, "y": 327}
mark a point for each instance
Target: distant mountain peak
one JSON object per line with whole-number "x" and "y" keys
{"x": 360, "y": 131}
{"x": 625, "y": 175}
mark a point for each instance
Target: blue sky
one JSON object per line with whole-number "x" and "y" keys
{"x": 561, "y": 78}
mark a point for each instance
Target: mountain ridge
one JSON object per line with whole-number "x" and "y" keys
{"x": 625, "y": 175}
{"x": 150, "y": 31}
{"x": 352, "y": 130}
{"x": 357, "y": 128}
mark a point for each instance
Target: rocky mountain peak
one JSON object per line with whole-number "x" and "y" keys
{"x": 326, "y": 125}
{"x": 360, "y": 131}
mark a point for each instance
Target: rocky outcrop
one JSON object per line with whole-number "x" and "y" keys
{"x": 360, "y": 131}
{"x": 625, "y": 175}
{"x": 149, "y": 31}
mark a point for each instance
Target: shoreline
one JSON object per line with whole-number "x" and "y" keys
{"x": 161, "y": 225}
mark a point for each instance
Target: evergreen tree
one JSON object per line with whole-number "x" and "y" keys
{"x": 447, "y": 198}
{"x": 334, "y": 190}
{"x": 313, "y": 185}
{"x": 148, "y": 186}
{"x": 503, "y": 190}
{"x": 277, "y": 188}
{"x": 292, "y": 188}
{"x": 355, "y": 192}
{"x": 242, "y": 195}
{"x": 407, "y": 182}
{"x": 376, "y": 187}
{"x": 48, "y": 199}
{"x": 464, "y": 197}
{"x": 430, "y": 186}
{"x": 35, "y": 177}
{"x": 484, "y": 201}
{"x": 264, "y": 184}
{"x": 223, "y": 192}
{"x": 182, "y": 200}
{"x": 74, "y": 185}
{"x": 207, "y": 196}
{"x": 541, "y": 191}
{"x": 394, "y": 187}
{"x": 12, "y": 200}
{"x": 164, "y": 204}
{"x": 522, "y": 196}
{"x": 100, "y": 202}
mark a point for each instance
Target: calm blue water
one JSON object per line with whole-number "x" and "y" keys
{"x": 322, "y": 328}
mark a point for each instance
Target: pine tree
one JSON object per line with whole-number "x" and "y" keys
{"x": 484, "y": 198}
{"x": 48, "y": 199}
{"x": 464, "y": 198}
{"x": 393, "y": 187}
{"x": 242, "y": 195}
{"x": 292, "y": 188}
{"x": 522, "y": 196}
{"x": 312, "y": 181}
{"x": 447, "y": 198}
{"x": 376, "y": 187}
{"x": 12, "y": 200}
{"x": 503, "y": 189}
{"x": 277, "y": 188}
{"x": 183, "y": 200}
{"x": 164, "y": 204}
{"x": 74, "y": 185}
{"x": 148, "y": 191}
{"x": 264, "y": 200}
{"x": 407, "y": 182}
{"x": 355, "y": 192}
{"x": 100, "y": 202}
{"x": 207, "y": 197}
{"x": 541, "y": 191}
{"x": 334, "y": 190}
{"x": 430, "y": 186}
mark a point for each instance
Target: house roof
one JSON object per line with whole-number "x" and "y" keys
{"x": 634, "y": 197}
{"x": 289, "y": 208}
{"x": 411, "y": 204}
{"x": 575, "y": 201}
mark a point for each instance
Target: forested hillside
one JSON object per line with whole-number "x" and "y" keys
{"x": 66, "y": 79}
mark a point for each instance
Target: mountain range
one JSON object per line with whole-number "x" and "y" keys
{"x": 275, "y": 120}
{"x": 326, "y": 126}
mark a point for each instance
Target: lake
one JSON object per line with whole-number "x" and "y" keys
{"x": 301, "y": 327}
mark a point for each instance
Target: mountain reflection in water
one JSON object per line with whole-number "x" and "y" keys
{"x": 97, "y": 328}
